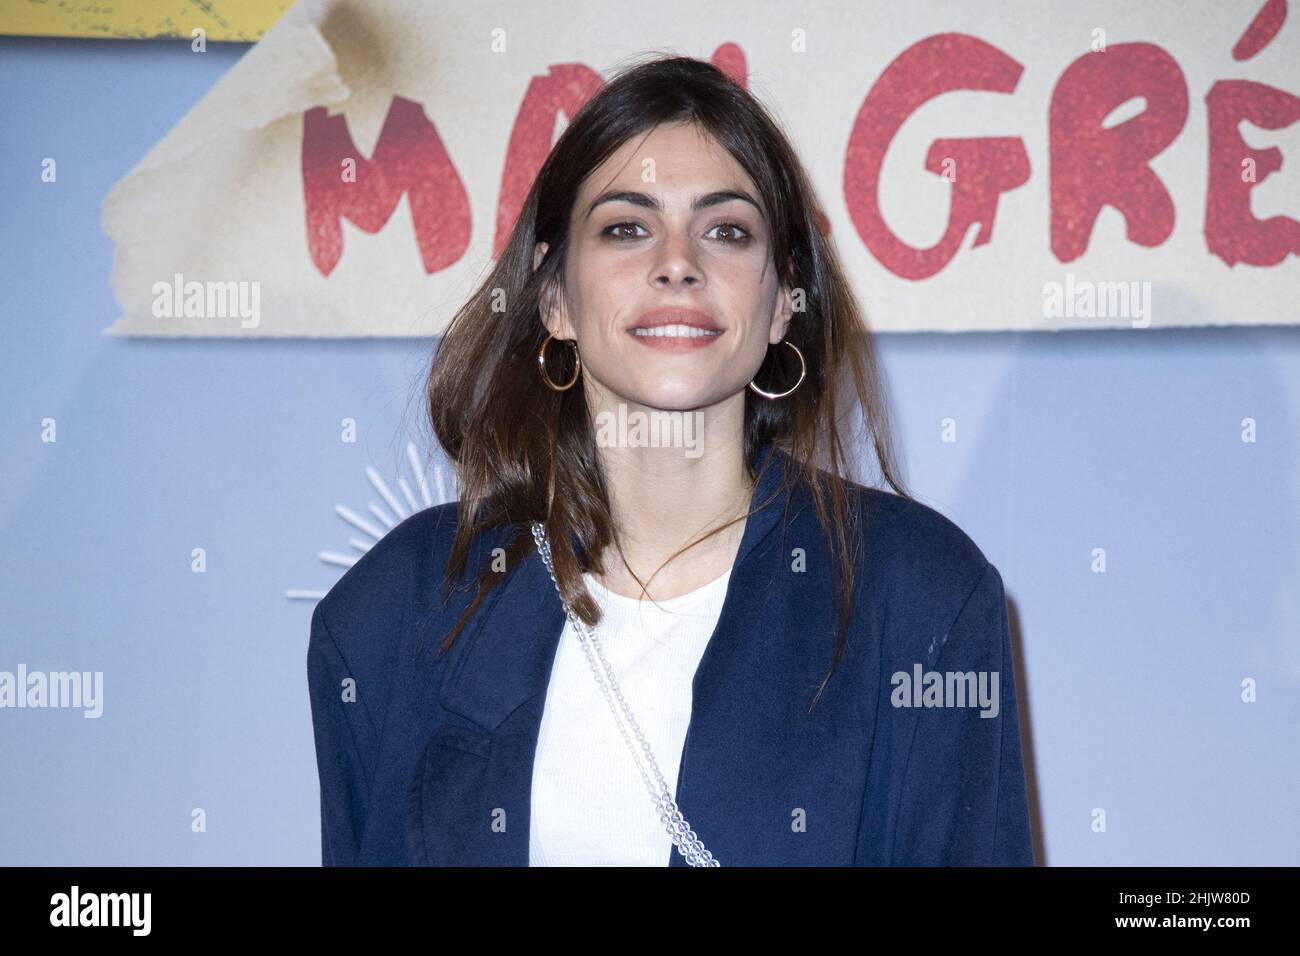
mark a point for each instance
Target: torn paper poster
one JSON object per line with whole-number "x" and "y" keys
{"x": 240, "y": 21}
{"x": 1002, "y": 165}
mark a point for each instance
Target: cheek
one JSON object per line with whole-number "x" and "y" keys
{"x": 749, "y": 296}
{"x": 748, "y": 276}
{"x": 604, "y": 288}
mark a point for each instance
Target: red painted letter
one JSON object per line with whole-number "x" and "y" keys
{"x": 408, "y": 158}
{"x": 1231, "y": 231}
{"x": 1092, "y": 165}
{"x": 563, "y": 90}
{"x": 985, "y": 167}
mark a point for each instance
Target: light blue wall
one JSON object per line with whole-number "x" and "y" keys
{"x": 1067, "y": 442}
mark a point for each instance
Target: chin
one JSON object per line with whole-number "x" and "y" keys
{"x": 668, "y": 399}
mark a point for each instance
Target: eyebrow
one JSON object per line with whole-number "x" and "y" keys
{"x": 650, "y": 202}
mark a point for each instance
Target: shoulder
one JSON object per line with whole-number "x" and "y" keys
{"x": 916, "y": 566}
{"x": 394, "y": 588}
{"x": 916, "y": 544}
{"x": 926, "y": 574}
{"x": 395, "y": 572}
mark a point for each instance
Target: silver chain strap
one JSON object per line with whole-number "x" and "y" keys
{"x": 684, "y": 838}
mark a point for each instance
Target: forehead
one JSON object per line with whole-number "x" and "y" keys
{"x": 667, "y": 159}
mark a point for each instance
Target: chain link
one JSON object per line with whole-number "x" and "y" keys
{"x": 684, "y": 838}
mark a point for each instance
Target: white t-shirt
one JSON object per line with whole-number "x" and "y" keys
{"x": 589, "y": 804}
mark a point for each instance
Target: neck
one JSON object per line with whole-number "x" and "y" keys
{"x": 663, "y": 498}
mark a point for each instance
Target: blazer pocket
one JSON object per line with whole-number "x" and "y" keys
{"x": 446, "y": 786}
{"x": 473, "y": 740}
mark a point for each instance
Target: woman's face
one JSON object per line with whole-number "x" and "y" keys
{"x": 664, "y": 225}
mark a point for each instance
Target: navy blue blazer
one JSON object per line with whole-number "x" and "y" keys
{"x": 431, "y": 762}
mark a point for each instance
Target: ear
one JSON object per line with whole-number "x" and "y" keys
{"x": 551, "y": 306}
{"x": 781, "y": 315}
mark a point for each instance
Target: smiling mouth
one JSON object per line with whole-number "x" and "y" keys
{"x": 677, "y": 331}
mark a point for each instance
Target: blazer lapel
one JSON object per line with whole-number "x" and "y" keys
{"x": 470, "y": 799}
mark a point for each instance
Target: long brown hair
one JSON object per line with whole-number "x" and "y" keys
{"x": 525, "y": 452}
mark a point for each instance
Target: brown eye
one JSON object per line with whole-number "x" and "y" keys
{"x": 733, "y": 228}
{"x": 615, "y": 231}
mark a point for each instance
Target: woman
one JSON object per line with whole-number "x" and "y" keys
{"x": 705, "y": 650}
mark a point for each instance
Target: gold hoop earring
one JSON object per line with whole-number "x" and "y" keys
{"x": 541, "y": 363}
{"x": 803, "y": 371}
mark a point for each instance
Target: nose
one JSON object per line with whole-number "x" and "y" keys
{"x": 667, "y": 281}
{"x": 676, "y": 265}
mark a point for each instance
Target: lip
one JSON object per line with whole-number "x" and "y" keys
{"x": 675, "y": 316}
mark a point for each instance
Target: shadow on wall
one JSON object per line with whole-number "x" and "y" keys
{"x": 1140, "y": 668}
